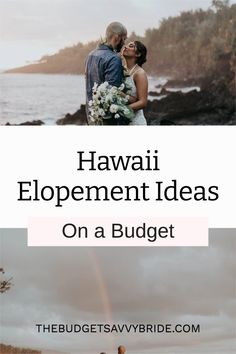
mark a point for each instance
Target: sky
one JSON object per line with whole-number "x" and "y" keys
{"x": 128, "y": 285}
{"x": 30, "y": 29}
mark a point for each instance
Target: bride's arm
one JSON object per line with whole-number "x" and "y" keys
{"x": 141, "y": 82}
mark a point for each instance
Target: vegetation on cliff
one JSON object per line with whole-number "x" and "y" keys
{"x": 191, "y": 43}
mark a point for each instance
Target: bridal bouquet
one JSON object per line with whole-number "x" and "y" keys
{"x": 109, "y": 102}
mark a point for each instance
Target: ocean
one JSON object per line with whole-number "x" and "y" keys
{"x": 28, "y": 97}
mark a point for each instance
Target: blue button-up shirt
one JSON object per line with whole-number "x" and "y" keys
{"x": 102, "y": 64}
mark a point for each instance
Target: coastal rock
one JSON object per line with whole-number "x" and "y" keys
{"x": 33, "y": 122}
{"x": 193, "y": 108}
{"x": 153, "y": 93}
{"x": 78, "y": 118}
{"x": 215, "y": 104}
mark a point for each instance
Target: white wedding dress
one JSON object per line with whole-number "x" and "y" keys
{"x": 139, "y": 118}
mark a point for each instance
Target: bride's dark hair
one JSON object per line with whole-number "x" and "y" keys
{"x": 142, "y": 51}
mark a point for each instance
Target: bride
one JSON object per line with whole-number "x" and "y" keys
{"x": 135, "y": 56}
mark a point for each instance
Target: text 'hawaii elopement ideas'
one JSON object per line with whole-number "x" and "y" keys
{"x": 91, "y": 164}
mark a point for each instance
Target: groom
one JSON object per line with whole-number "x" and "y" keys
{"x": 104, "y": 64}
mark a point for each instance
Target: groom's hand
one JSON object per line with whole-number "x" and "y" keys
{"x": 132, "y": 99}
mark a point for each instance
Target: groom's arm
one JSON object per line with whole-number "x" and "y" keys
{"x": 114, "y": 71}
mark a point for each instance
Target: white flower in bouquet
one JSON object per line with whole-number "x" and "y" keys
{"x": 108, "y": 98}
{"x": 95, "y": 86}
{"x": 114, "y": 108}
{"x": 122, "y": 87}
{"x": 101, "y": 112}
{"x": 94, "y": 116}
{"x": 96, "y": 95}
{"x": 103, "y": 87}
{"x": 114, "y": 90}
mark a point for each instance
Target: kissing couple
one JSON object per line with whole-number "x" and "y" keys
{"x": 116, "y": 83}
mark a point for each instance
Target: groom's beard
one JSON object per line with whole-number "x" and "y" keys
{"x": 119, "y": 47}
